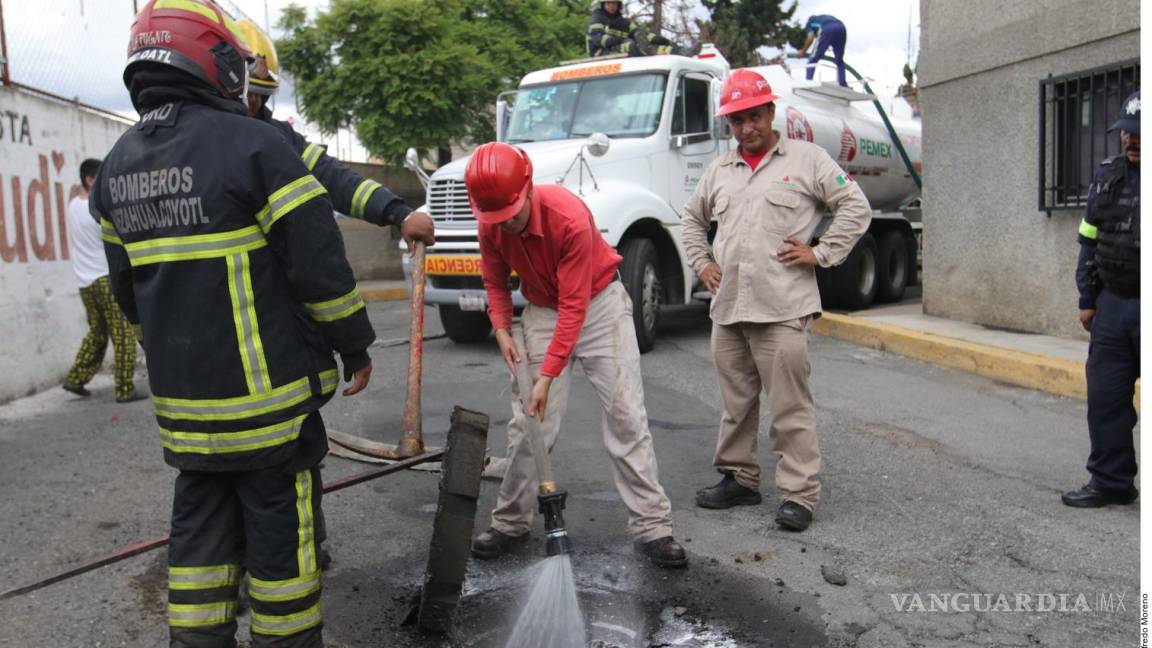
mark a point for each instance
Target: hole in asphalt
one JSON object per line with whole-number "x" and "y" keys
{"x": 626, "y": 602}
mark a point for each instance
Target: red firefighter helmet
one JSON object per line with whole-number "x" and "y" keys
{"x": 194, "y": 36}
{"x": 742, "y": 90}
{"x": 498, "y": 179}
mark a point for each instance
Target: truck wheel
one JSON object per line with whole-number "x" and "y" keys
{"x": 464, "y": 326}
{"x": 824, "y": 283}
{"x": 642, "y": 281}
{"x": 854, "y": 281}
{"x": 892, "y": 267}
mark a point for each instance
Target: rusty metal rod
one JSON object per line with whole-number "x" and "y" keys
{"x": 412, "y": 434}
{"x": 145, "y": 546}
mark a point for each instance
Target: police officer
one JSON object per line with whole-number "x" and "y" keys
{"x": 1108, "y": 278}
{"x": 609, "y": 32}
{"x": 351, "y": 193}
{"x": 222, "y": 250}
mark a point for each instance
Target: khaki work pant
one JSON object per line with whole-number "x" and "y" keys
{"x": 773, "y": 356}
{"x": 611, "y": 359}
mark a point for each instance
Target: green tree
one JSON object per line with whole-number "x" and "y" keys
{"x": 741, "y": 27}
{"x": 421, "y": 73}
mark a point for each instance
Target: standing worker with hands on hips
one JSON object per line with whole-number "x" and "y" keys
{"x": 351, "y": 193}
{"x": 577, "y": 308}
{"x": 222, "y": 247}
{"x": 767, "y": 199}
{"x": 1108, "y": 278}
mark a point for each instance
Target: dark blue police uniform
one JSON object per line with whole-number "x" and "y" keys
{"x": 1108, "y": 278}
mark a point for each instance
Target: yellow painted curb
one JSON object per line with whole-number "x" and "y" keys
{"x": 1031, "y": 370}
{"x": 384, "y": 294}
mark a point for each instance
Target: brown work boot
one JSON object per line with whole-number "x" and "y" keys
{"x": 493, "y": 544}
{"x": 663, "y": 552}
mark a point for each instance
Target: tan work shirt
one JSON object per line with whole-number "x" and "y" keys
{"x": 755, "y": 211}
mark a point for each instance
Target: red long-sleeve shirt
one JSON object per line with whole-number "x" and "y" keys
{"x": 562, "y": 260}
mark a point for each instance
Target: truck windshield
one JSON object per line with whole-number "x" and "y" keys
{"x": 621, "y": 106}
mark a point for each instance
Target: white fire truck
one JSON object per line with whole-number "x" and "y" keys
{"x": 633, "y": 136}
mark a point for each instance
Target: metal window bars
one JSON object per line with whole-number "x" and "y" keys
{"x": 1075, "y": 111}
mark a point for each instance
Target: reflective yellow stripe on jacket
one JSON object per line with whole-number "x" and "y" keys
{"x": 335, "y": 309}
{"x": 242, "y": 407}
{"x": 289, "y": 197}
{"x": 361, "y": 196}
{"x": 311, "y": 155}
{"x": 108, "y": 232}
{"x": 195, "y": 247}
{"x": 210, "y": 443}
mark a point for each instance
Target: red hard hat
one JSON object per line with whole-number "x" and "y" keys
{"x": 744, "y": 89}
{"x": 498, "y": 178}
{"x": 194, "y": 36}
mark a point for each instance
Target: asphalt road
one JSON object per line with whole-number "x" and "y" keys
{"x": 935, "y": 482}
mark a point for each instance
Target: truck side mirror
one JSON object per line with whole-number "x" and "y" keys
{"x": 501, "y": 119}
{"x": 598, "y": 144}
{"x": 505, "y": 101}
{"x": 720, "y": 128}
{"x": 412, "y": 163}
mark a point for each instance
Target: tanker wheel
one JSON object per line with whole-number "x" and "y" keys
{"x": 892, "y": 267}
{"x": 855, "y": 280}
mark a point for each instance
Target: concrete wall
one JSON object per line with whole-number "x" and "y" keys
{"x": 990, "y": 256}
{"x": 374, "y": 252}
{"x": 42, "y": 143}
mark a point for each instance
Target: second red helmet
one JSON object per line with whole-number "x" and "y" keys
{"x": 744, "y": 89}
{"x": 498, "y": 179}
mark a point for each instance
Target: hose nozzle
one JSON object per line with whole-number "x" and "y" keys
{"x": 552, "y": 507}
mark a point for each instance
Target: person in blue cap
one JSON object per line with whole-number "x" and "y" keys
{"x": 831, "y": 33}
{"x": 1108, "y": 278}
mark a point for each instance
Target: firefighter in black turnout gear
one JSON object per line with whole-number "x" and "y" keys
{"x": 351, "y": 194}
{"x": 1108, "y": 278}
{"x": 223, "y": 250}
{"x": 609, "y": 32}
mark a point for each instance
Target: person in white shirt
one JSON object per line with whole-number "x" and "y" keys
{"x": 105, "y": 320}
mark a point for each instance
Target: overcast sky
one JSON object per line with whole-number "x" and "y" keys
{"x": 76, "y": 48}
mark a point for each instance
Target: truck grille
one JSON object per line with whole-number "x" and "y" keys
{"x": 448, "y": 202}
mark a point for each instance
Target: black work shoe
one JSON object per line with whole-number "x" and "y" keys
{"x": 1091, "y": 497}
{"x": 323, "y": 558}
{"x": 663, "y": 552}
{"x": 493, "y": 544}
{"x": 793, "y": 516}
{"x": 726, "y": 494}
{"x": 76, "y": 389}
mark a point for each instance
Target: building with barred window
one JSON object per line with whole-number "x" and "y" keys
{"x": 1016, "y": 98}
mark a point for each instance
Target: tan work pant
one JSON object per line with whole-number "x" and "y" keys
{"x": 611, "y": 359}
{"x": 775, "y": 356}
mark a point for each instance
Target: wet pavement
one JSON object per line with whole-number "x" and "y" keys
{"x": 935, "y": 482}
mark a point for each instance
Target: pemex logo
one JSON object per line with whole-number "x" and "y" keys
{"x": 798, "y": 126}
{"x": 847, "y": 145}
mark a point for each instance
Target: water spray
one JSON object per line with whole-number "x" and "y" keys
{"x": 550, "y": 496}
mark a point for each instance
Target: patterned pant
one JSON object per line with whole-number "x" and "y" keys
{"x": 105, "y": 320}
